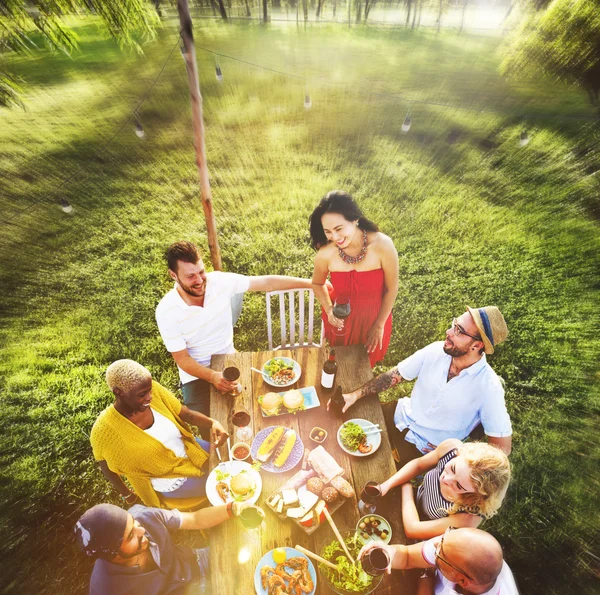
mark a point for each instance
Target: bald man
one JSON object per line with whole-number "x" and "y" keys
{"x": 461, "y": 561}
{"x": 455, "y": 391}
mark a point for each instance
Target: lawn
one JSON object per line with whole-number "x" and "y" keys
{"x": 476, "y": 220}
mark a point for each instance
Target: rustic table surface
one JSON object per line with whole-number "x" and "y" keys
{"x": 232, "y": 573}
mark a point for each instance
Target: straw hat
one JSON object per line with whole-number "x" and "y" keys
{"x": 491, "y": 324}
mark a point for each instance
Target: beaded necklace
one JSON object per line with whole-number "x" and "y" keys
{"x": 355, "y": 259}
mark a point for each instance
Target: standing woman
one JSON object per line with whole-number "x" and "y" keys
{"x": 362, "y": 264}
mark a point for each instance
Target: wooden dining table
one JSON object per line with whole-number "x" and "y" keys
{"x": 235, "y": 551}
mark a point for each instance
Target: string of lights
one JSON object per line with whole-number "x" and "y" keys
{"x": 524, "y": 137}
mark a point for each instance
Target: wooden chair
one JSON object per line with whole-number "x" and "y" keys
{"x": 293, "y": 333}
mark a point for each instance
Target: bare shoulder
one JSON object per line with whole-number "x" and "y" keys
{"x": 381, "y": 242}
{"x": 447, "y": 445}
{"x": 325, "y": 253}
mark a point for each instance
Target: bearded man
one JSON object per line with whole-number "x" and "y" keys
{"x": 456, "y": 389}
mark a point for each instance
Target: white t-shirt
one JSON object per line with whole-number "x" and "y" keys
{"x": 438, "y": 409}
{"x": 505, "y": 583}
{"x": 203, "y": 330}
{"x": 165, "y": 431}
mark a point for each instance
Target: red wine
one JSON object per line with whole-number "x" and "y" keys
{"x": 337, "y": 401}
{"x": 240, "y": 419}
{"x": 329, "y": 373}
{"x": 231, "y": 374}
{"x": 341, "y": 311}
{"x": 375, "y": 561}
{"x": 371, "y": 493}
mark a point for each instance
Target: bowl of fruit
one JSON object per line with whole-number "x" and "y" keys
{"x": 373, "y": 527}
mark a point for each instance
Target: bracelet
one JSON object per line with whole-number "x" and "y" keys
{"x": 230, "y": 510}
{"x": 125, "y": 498}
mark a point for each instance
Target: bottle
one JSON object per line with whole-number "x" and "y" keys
{"x": 337, "y": 401}
{"x": 329, "y": 371}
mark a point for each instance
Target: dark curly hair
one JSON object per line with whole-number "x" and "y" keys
{"x": 336, "y": 201}
{"x": 184, "y": 251}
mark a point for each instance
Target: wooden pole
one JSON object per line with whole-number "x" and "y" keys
{"x": 189, "y": 55}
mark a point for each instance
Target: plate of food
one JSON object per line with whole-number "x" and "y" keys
{"x": 359, "y": 437}
{"x": 277, "y": 449}
{"x": 349, "y": 579}
{"x": 373, "y": 527}
{"x": 235, "y": 480}
{"x": 296, "y": 573}
{"x": 281, "y": 371}
{"x": 291, "y": 401}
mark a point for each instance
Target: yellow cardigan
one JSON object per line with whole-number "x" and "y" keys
{"x": 131, "y": 452}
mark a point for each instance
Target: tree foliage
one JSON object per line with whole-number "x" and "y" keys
{"x": 125, "y": 20}
{"x": 562, "y": 41}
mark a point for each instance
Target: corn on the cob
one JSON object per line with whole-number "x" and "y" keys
{"x": 268, "y": 446}
{"x": 285, "y": 448}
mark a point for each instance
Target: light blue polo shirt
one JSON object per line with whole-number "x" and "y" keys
{"x": 438, "y": 409}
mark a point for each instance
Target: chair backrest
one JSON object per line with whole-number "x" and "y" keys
{"x": 296, "y": 319}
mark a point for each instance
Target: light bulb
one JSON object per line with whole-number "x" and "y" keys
{"x": 65, "y": 205}
{"x": 139, "y": 130}
{"x": 524, "y": 138}
{"x": 307, "y": 101}
{"x": 407, "y": 124}
{"x": 218, "y": 73}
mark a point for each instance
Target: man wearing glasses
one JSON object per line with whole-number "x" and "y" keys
{"x": 467, "y": 561}
{"x": 456, "y": 389}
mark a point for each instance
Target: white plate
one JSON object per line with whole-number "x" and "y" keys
{"x": 383, "y": 525}
{"x": 373, "y": 439}
{"x": 267, "y": 560}
{"x": 233, "y": 468}
{"x": 296, "y": 368}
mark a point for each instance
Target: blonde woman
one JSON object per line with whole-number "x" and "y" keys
{"x": 463, "y": 484}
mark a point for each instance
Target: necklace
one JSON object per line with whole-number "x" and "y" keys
{"x": 355, "y": 259}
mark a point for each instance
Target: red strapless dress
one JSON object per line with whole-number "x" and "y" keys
{"x": 365, "y": 290}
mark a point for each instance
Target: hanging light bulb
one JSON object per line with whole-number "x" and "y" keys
{"x": 407, "y": 123}
{"x": 139, "y": 130}
{"x": 523, "y": 139}
{"x": 218, "y": 73}
{"x": 65, "y": 205}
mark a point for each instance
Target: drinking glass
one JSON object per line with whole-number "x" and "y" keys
{"x": 240, "y": 417}
{"x": 251, "y": 518}
{"x": 232, "y": 374}
{"x": 375, "y": 561}
{"x": 368, "y": 498}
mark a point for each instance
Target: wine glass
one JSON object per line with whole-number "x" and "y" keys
{"x": 368, "y": 498}
{"x": 240, "y": 417}
{"x": 375, "y": 561}
{"x": 341, "y": 310}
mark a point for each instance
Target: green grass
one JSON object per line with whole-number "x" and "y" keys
{"x": 476, "y": 222}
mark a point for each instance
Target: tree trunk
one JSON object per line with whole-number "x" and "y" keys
{"x": 462, "y": 17}
{"x": 334, "y": 7}
{"x": 420, "y": 13}
{"x": 265, "y": 11}
{"x": 408, "y": 7}
{"x": 368, "y": 5}
{"x": 189, "y": 55}
{"x": 414, "y": 19}
{"x": 305, "y": 9}
{"x": 248, "y": 13}
{"x": 358, "y": 11}
{"x": 439, "y": 19}
{"x": 319, "y": 7}
{"x": 222, "y": 9}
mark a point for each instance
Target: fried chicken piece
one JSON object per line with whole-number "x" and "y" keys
{"x": 223, "y": 490}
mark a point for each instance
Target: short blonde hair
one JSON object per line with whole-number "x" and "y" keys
{"x": 125, "y": 374}
{"x": 490, "y": 472}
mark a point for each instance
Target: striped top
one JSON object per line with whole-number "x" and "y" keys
{"x": 430, "y": 501}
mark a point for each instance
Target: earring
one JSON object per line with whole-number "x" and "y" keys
{"x": 356, "y": 223}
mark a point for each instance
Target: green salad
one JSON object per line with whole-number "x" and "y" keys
{"x": 352, "y": 435}
{"x": 349, "y": 577}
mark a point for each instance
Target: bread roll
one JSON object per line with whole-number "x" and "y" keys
{"x": 330, "y": 494}
{"x": 343, "y": 487}
{"x": 315, "y": 485}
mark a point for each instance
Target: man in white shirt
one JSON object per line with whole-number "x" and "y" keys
{"x": 461, "y": 561}
{"x": 195, "y": 318}
{"x": 456, "y": 389}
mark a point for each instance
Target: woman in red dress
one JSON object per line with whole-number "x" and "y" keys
{"x": 362, "y": 264}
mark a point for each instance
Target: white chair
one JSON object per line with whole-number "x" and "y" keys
{"x": 293, "y": 331}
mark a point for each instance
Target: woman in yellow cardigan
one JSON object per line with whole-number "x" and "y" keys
{"x": 144, "y": 436}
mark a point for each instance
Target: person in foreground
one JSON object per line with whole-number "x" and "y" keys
{"x": 466, "y": 561}
{"x": 456, "y": 389}
{"x": 195, "y": 318}
{"x": 134, "y": 552}
{"x": 463, "y": 484}
{"x": 144, "y": 435}
{"x": 362, "y": 263}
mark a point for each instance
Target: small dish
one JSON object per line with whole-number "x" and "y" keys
{"x": 318, "y": 435}
{"x": 238, "y": 450}
{"x": 381, "y": 525}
